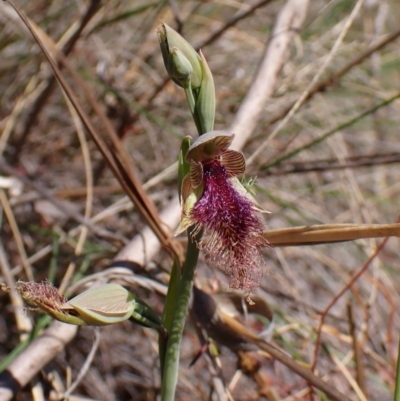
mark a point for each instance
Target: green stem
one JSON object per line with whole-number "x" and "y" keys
{"x": 397, "y": 389}
{"x": 171, "y": 362}
{"x": 191, "y": 99}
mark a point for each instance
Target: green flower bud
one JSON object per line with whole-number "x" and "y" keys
{"x": 180, "y": 69}
{"x": 177, "y": 55}
{"x": 99, "y": 306}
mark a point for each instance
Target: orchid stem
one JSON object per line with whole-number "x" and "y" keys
{"x": 191, "y": 99}
{"x": 171, "y": 362}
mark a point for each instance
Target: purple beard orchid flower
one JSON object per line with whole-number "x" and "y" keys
{"x": 213, "y": 200}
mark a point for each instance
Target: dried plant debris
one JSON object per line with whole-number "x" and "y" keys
{"x": 334, "y": 162}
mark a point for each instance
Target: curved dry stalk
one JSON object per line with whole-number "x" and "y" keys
{"x": 329, "y": 233}
{"x": 23, "y": 322}
{"x": 30, "y": 91}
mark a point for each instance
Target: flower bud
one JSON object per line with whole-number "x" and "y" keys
{"x": 178, "y": 54}
{"x": 180, "y": 69}
{"x": 99, "y": 306}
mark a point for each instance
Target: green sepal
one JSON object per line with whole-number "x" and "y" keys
{"x": 205, "y": 103}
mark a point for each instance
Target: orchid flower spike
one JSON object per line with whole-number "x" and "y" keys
{"x": 214, "y": 200}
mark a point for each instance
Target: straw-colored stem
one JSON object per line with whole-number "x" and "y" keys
{"x": 323, "y": 234}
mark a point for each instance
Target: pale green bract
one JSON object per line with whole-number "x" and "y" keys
{"x": 103, "y": 305}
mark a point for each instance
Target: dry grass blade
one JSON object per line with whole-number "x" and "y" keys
{"x": 328, "y": 233}
{"x": 360, "y": 369}
{"x": 353, "y": 162}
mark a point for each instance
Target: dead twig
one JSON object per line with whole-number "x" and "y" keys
{"x": 360, "y": 371}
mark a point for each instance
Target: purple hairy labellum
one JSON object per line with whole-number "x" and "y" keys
{"x": 213, "y": 200}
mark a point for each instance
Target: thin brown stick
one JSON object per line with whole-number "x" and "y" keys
{"x": 17, "y": 235}
{"x": 337, "y": 297}
{"x": 360, "y": 371}
{"x": 233, "y": 21}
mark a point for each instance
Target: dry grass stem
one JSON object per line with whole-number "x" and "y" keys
{"x": 328, "y": 233}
